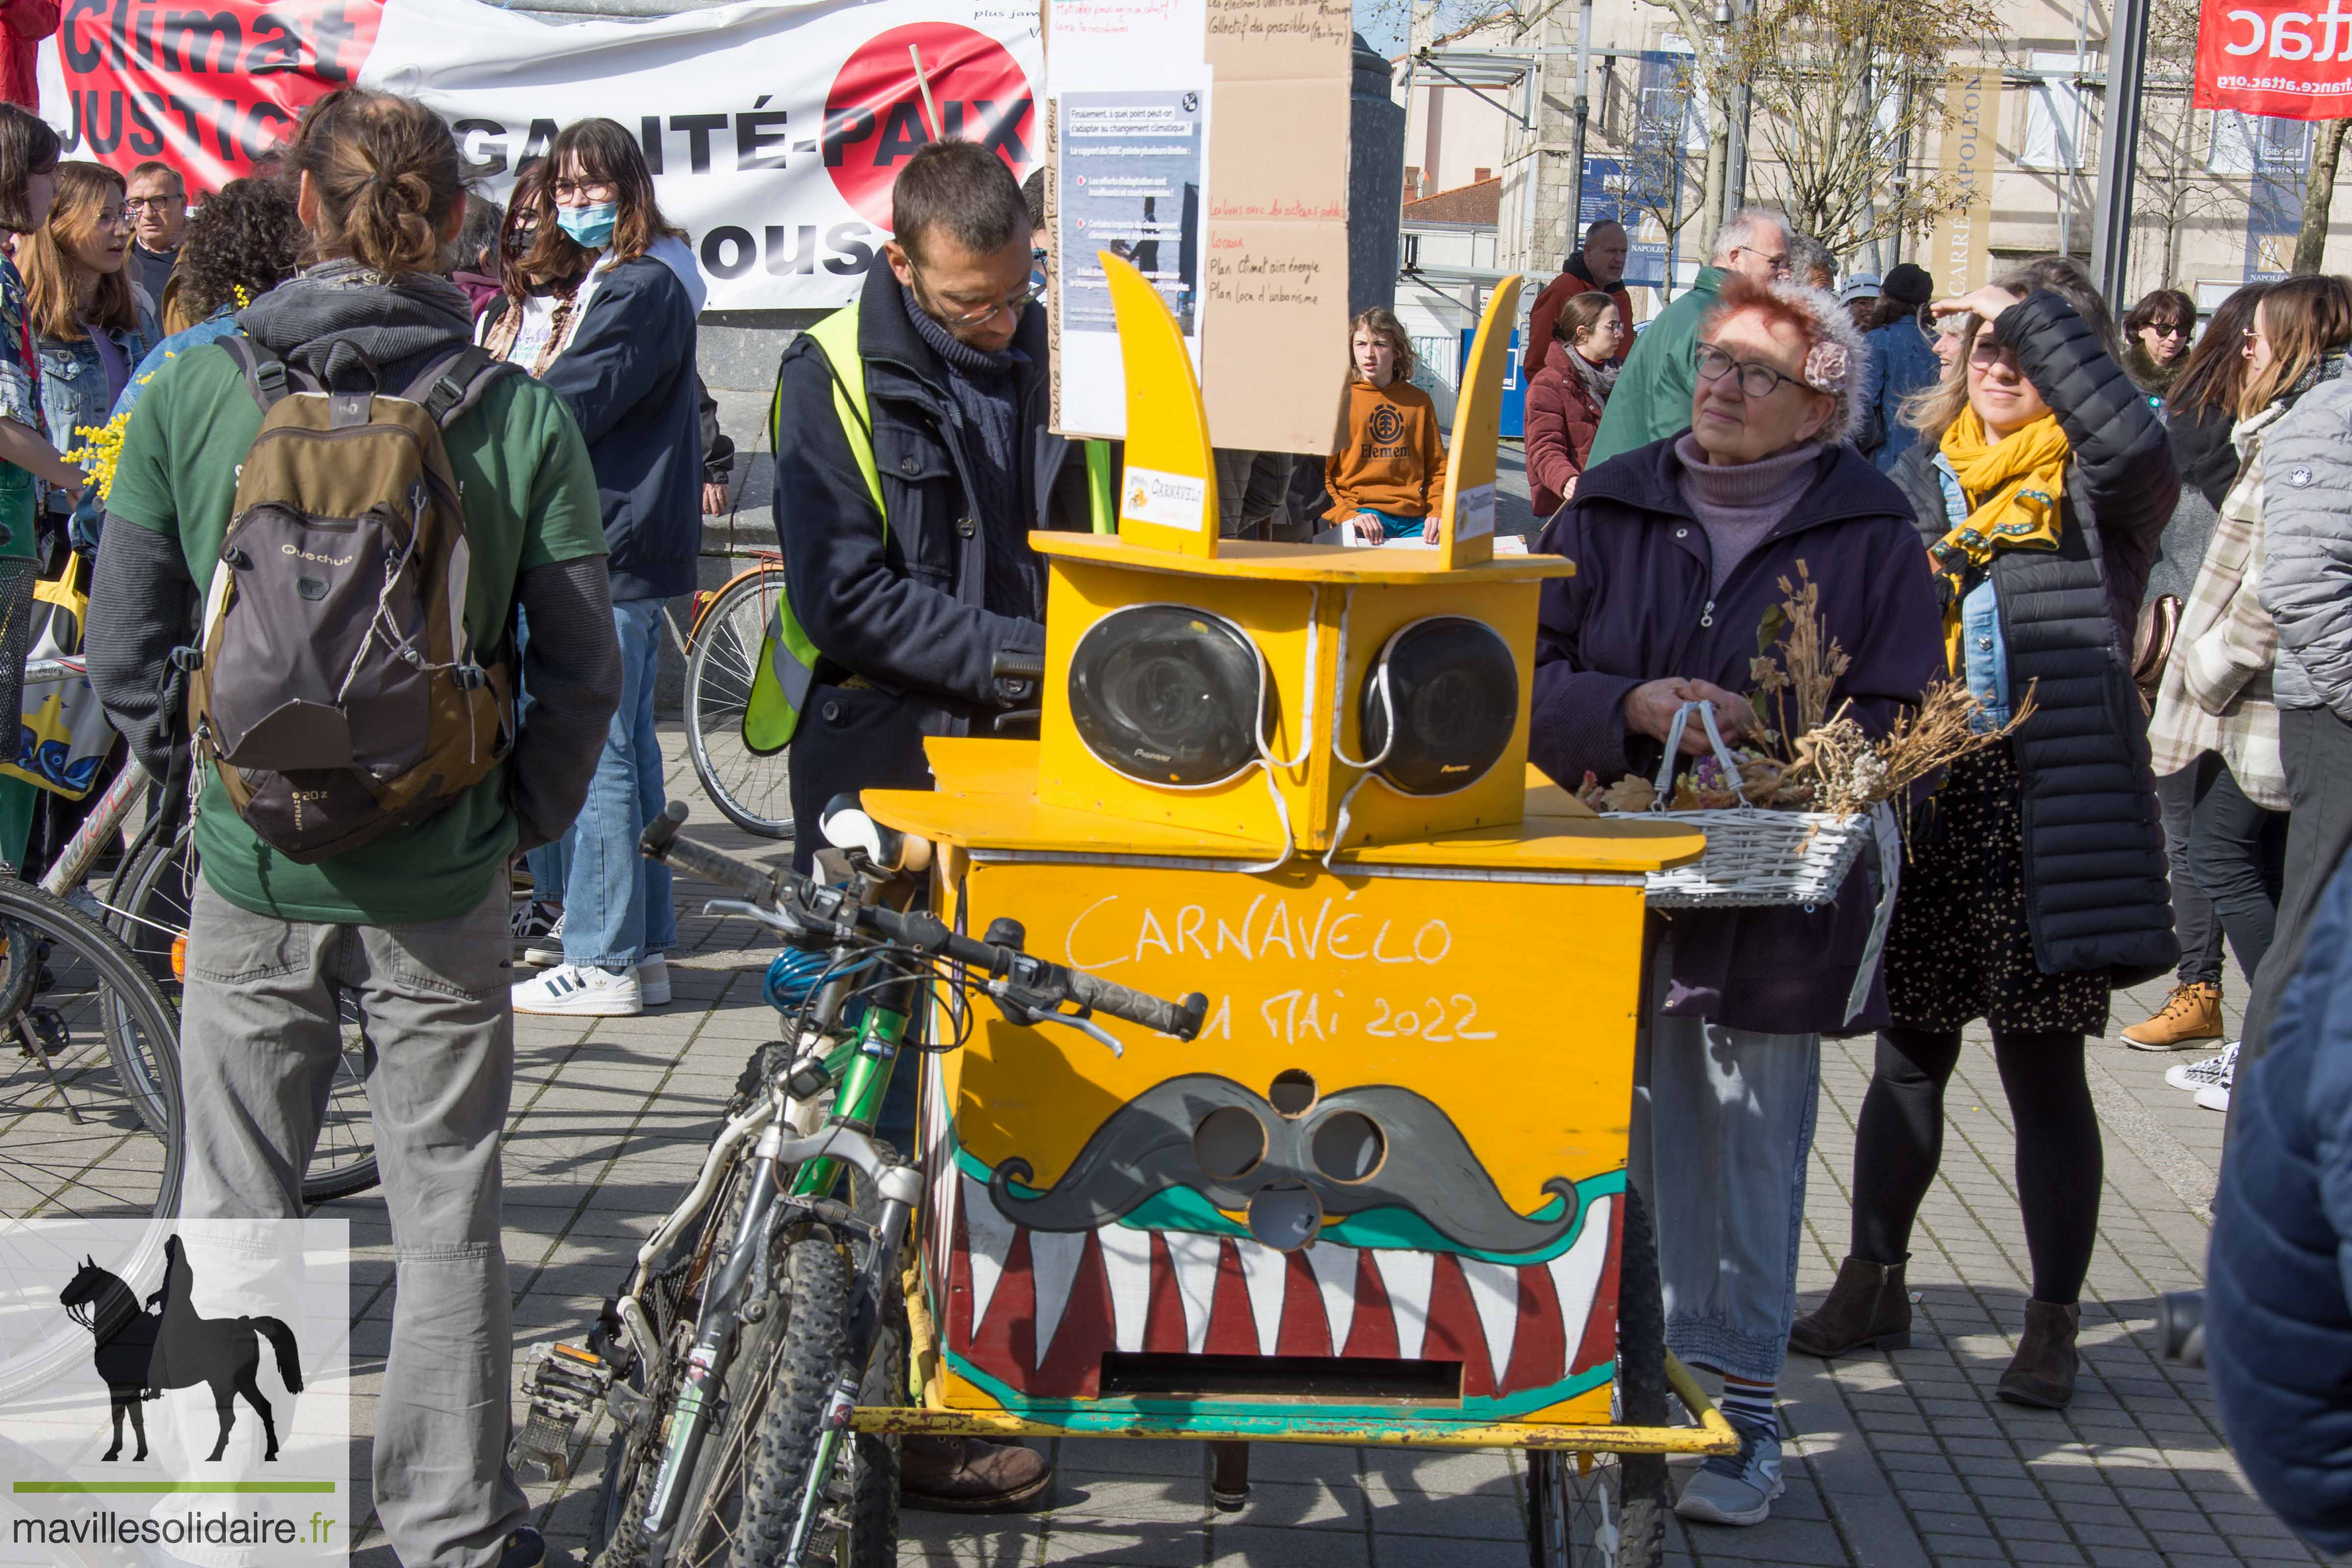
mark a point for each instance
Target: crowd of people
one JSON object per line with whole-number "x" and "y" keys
{"x": 2131, "y": 537}
{"x": 2014, "y": 490}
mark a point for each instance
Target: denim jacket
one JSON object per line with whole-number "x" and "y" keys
{"x": 1984, "y": 651}
{"x": 74, "y": 394}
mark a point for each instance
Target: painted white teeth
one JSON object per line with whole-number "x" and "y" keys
{"x": 989, "y": 1235}
{"x": 1194, "y": 1259}
{"x": 1407, "y": 1276}
{"x": 1335, "y": 1276}
{"x": 1052, "y": 1263}
{"x": 1127, "y": 1265}
{"x": 1575, "y": 1273}
{"x": 1494, "y": 1292}
{"x": 1056, "y": 1258}
{"x": 1265, "y": 1271}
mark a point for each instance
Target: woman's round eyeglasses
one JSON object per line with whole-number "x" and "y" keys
{"x": 1755, "y": 380}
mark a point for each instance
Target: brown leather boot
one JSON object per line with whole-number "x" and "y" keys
{"x": 1867, "y": 1306}
{"x": 2041, "y": 1373}
{"x": 967, "y": 1475}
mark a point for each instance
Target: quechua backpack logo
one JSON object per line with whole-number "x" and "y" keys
{"x": 335, "y": 686}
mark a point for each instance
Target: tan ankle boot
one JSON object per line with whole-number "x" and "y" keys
{"x": 2191, "y": 1014}
{"x": 1867, "y": 1306}
{"x": 2042, "y": 1374}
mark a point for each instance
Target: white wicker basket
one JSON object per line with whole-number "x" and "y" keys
{"x": 1754, "y": 857}
{"x": 1757, "y": 856}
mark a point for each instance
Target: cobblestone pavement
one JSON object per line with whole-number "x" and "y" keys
{"x": 1895, "y": 1460}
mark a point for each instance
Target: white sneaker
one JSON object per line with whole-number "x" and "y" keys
{"x": 653, "y": 980}
{"x": 2194, "y": 1077}
{"x": 571, "y": 991}
{"x": 546, "y": 950}
{"x": 2213, "y": 1097}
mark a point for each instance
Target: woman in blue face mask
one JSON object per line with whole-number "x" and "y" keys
{"x": 602, "y": 308}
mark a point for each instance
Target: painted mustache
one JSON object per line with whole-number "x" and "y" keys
{"x": 1374, "y": 1147}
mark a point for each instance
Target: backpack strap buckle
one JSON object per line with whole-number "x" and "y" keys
{"x": 454, "y": 384}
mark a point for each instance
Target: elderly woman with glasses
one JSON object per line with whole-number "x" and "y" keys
{"x": 1682, "y": 548}
{"x": 2042, "y": 483}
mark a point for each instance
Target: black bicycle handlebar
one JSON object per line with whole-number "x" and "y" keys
{"x": 1028, "y": 982}
{"x": 1010, "y": 664}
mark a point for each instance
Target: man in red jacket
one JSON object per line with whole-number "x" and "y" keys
{"x": 28, "y": 23}
{"x": 1599, "y": 267}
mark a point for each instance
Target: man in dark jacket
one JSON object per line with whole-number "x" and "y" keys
{"x": 909, "y": 610}
{"x": 2278, "y": 1316}
{"x": 1598, "y": 269}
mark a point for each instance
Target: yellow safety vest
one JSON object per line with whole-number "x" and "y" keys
{"x": 786, "y": 667}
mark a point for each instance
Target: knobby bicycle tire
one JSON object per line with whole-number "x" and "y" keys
{"x": 754, "y": 792}
{"x": 864, "y": 1487}
{"x": 152, "y": 911}
{"x": 67, "y": 1122}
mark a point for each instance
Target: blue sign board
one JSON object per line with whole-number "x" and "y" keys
{"x": 1515, "y": 386}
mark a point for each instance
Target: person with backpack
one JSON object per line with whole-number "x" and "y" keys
{"x": 618, "y": 345}
{"x": 363, "y": 781}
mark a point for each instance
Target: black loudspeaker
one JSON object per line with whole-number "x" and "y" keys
{"x": 1440, "y": 705}
{"x": 1168, "y": 695}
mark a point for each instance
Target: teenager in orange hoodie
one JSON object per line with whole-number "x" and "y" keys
{"x": 1384, "y": 482}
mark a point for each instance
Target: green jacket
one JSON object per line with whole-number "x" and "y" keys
{"x": 1653, "y": 399}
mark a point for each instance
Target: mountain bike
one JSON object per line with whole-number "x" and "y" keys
{"x": 766, "y": 1307}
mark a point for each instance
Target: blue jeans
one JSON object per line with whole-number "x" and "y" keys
{"x": 616, "y": 903}
{"x": 1721, "y": 1136}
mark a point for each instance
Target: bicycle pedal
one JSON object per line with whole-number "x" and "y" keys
{"x": 566, "y": 1385}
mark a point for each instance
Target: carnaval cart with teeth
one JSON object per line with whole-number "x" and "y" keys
{"x": 1382, "y": 1198}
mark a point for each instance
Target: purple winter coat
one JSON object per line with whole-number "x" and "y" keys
{"x": 1638, "y": 610}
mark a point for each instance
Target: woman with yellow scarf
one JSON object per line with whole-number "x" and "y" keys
{"x": 2040, "y": 483}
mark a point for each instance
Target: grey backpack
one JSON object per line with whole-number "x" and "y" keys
{"x": 335, "y": 686}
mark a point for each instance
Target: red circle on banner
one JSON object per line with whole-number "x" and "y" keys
{"x": 875, "y": 116}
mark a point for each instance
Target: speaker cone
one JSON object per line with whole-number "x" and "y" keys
{"x": 1169, "y": 695}
{"x": 1451, "y": 696}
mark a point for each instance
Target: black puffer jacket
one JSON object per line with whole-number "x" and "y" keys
{"x": 2095, "y": 870}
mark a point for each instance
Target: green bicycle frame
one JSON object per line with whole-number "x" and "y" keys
{"x": 862, "y": 1066}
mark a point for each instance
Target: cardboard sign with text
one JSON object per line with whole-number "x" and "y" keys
{"x": 1206, "y": 142}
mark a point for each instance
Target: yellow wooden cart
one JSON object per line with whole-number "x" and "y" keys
{"x": 1382, "y": 1198}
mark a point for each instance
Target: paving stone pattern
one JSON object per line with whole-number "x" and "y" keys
{"x": 1898, "y": 1460}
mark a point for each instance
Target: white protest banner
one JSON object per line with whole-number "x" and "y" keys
{"x": 774, "y": 129}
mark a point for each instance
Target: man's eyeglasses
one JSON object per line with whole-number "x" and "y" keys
{"x": 1016, "y": 301}
{"x": 1755, "y": 380}
{"x": 138, "y": 205}
{"x": 587, "y": 190}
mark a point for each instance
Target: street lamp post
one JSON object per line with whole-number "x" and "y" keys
{"x": 2119, "y": 147}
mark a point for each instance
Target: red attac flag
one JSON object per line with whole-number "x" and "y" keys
{"x": 2288, "y": 58}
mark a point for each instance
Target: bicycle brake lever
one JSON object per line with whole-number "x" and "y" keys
{"x": 1084, "y": 1025}
{"x": 774, "y": 920}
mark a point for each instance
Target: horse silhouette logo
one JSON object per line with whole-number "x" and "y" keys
{"x": 142, "y": 1351}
